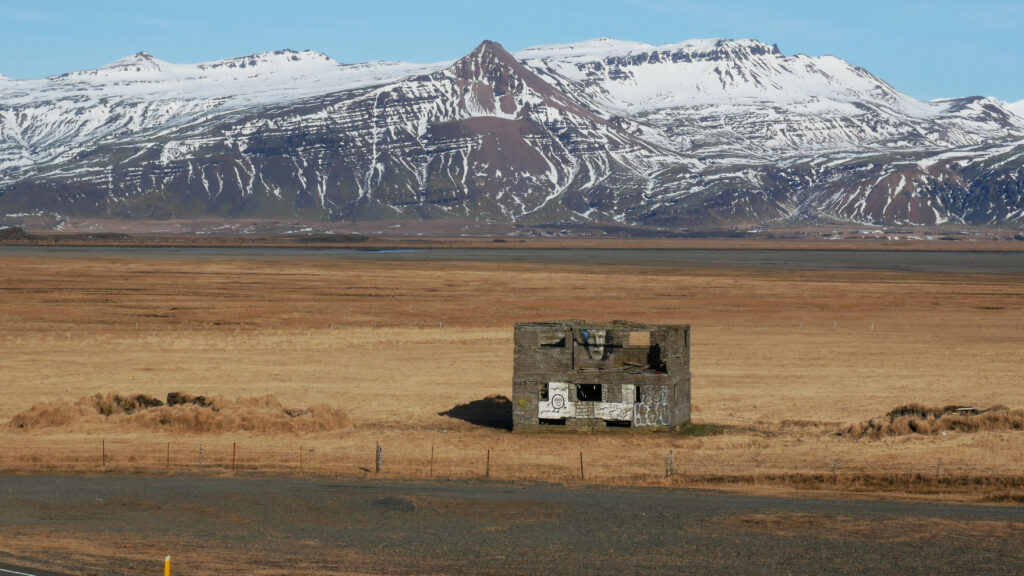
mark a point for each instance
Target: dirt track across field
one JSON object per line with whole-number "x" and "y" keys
{"x": 112, "y": 525}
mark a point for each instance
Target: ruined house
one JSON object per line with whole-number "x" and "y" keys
{"x": 593, "y": 375}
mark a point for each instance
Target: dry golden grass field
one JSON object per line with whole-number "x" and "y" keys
{"x": 782, "y": 363}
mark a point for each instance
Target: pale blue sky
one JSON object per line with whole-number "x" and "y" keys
{"x": 940, "y": 48}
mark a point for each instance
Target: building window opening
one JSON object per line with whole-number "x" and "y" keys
{"x": 552, "y": 340}
{"x": 544, "y": 393}
{"x": 654, "y": 360}
{"x": 550, "y": 422}
{"x": 588, "y": 392}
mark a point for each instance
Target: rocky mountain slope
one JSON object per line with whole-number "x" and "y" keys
{"x": 700, "y": 134}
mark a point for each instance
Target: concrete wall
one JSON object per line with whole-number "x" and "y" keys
{"x": 642, "y": 371}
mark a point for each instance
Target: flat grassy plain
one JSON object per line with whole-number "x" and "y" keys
{"x": 782, "y": 362}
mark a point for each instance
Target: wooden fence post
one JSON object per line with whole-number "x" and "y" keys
{"x": 300, "y": 459}
{"x": 487, "y": 472}
{"x": 581, "y": 466}
{"x": 234, "y": 448}
{"x": 380, "y": 457}
{"x": 103, "y": 449}
{"x": 431, "y": 461}
{"x": 168, "y": 455}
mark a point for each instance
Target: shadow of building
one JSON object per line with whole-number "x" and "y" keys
{"x": 492, "y": 412}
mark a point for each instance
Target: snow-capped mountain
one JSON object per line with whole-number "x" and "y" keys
{"x": 746, "y": 97}
{"x": 696, "y": 134}
{"x": 42, "y": 121}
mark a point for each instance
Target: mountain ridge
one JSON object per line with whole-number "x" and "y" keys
{"x": 526, "y": 53}
{"x": 702, "y": 133}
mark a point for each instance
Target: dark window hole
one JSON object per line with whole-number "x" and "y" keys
{"x": 550, "y": 422}
{"x": 588, "y": 392}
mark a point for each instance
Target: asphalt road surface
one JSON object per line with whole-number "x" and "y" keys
{"x": 14, "y": 570}
{"x": 220, "y": 526}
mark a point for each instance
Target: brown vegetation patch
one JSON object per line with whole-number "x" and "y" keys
{"x": 778, "y": 359}
{"x": 1005, "y": 498}
{"x": 996, "y": 488}
{"x": 886, "y": 530}
{"x": 181, "y": 412}
{"x": 918, "y": 419}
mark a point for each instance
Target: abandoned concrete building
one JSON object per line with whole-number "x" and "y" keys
{"x": 588, "y": 375}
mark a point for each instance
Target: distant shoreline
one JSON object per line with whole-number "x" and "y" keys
{"x": 805, "y": 258}
{"x": 994, "y": 241}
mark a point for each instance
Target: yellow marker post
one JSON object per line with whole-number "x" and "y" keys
{"x": 167, "y": 566}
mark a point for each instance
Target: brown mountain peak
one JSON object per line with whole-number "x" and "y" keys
{"x": 490, "y": 46}
{"x": 495, "y": 77}
{"x": 486, "y": 56}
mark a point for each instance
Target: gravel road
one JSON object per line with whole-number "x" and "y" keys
{"x": 220, "y": 526}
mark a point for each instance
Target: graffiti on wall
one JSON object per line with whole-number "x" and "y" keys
{"x": 621, "y": 411}
{"x": 561, "y": 406}
{"x": 653, "y": 409}
{"x": 595, "y": 340}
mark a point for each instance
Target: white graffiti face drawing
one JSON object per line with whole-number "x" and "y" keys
{"x": 557, "y": 402}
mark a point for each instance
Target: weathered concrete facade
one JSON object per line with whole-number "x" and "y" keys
{"x": 593, "y": 375}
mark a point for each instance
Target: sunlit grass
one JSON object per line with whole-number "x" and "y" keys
{"x": 781, "y": 363}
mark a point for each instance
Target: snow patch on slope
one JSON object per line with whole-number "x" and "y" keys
{"x": 599, "y": 48}
{"x": 641, "y": 77}
{"x": 585, "y": 51}
{"x": 57, "y": 115}
{"x": 138, "y": 63}
{"x": 603, "y": 129}
{"x": 746, "y": 98}
{"x": 265, "y": 78}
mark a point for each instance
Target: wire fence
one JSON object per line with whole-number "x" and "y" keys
{"x": 438, "y": 461}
